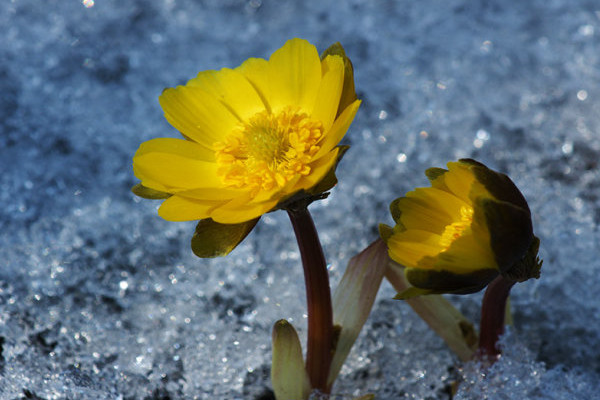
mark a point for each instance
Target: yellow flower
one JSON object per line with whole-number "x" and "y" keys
{"x": 459, "y": 234}
{"x": 254, "y": 136}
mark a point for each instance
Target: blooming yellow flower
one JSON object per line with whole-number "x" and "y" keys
{"x": 254, "y": 136}
{"x": 459, "y": 234}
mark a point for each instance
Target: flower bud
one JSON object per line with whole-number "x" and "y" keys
{"x": 459, "y": 234}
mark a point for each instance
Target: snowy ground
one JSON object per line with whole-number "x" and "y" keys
{"x": 101, "y": 299}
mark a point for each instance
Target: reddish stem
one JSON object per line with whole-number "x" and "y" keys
{"x": 493, "y": 310}
{"x": 318, "y": 299}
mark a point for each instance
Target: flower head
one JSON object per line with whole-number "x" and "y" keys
{"x": 459, "y": 234}
{"x": 255, "y": 137}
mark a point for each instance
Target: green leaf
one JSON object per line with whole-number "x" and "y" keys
{"x": 147, "y": 193}
{"x": 213, "y": 239}
{"x": 353, "y": 299}
{"x": 288, "y": 375}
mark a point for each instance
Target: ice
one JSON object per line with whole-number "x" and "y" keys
{"x": 517, "y": 375}
{"x": 102, "y": 299}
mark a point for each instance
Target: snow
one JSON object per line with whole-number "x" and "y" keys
{"x": 102, "y": 299}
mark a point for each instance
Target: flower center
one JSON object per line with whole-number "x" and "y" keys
{"x": 268, "y": 150}
{"x": 456, "y": 229}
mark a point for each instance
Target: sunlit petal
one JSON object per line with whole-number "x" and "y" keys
{"x": 175, "y": 171}
{"x": 294, "y": 75}
{"x": 232, "y": 89}
{"x": 177, "y": 208}
{"x": 338, "y": 129}
{"x": 326, "y": 105}
{"x": 197, "y": 114}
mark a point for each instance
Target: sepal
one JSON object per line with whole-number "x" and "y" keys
{"x": 433, "y": 173}
{"x": 147, "y": 193}
{"x": 385, "y": 231}
{"x": 529, "y": 266}
{"x": 510, "y": 229}
{"x": 212, "y": 239}
{"x": 442, "y": 281}
{"x": 497, "y": 184}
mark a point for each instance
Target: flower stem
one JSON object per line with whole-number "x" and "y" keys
{"x": 493, "y": 311}
{"x": 318, "y": 298}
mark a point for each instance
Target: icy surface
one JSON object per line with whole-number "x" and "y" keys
{"x": 101, "y": 299}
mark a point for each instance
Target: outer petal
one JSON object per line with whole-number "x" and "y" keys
{"x": 240, "y": 213}
{"x": 410, "y": 253}
{"x": 170, "y": 173}
{"x": 330, "y": 91}
{"x": 295, "y": 75}
{"x": 232, "y": 89}
{"x": 339, "y": 128}
{"x": 175, "y": 146}
{"x": 197, "y": 114}
{"x": 177, "y": 208}
{"x": 211, "y": 193}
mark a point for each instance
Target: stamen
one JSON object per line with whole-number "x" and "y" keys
{"x": 268, "y": 150}
{"x": 456, "y": 229}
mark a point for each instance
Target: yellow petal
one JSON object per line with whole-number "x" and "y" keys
{"x": 459, "y": 180}
{"x": 319, "y": 169}
{"x": 330, "y": 91}
{"x": 197, "y": 114}
{"x": 348, "y": 92}
{"x": 231, "y": 88}
{"x": 294, "y": 76}
{"x": 181, "y": 147}
{"x": 410, "y": 253}
{"x": 418, "y": 236}
{"x": 234, "y": 213}
{"x": 419, "y": 215}
{"x": 256, "y": 71}
{"x": 339, "y": 128}
{"x": 465, "y": 256}
{"x": 211, "y": 193}
{"x": 429, "y": 209}
{"x": 175, "y": 172}
{"x": 177, "y": 208}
